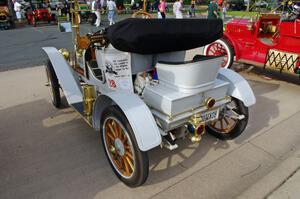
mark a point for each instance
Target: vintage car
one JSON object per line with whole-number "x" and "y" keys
{"x": 6, "y": 20}
{"x": 39, "y": 12}
{"x": 132, "y": 83}
{"x": 267, "y": 41}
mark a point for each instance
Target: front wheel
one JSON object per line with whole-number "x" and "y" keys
{"x": 129, "y": 163}
{"x": 232, "y": 121}
{"x": 221, "y": 47}
{"x": 53, "y": 85}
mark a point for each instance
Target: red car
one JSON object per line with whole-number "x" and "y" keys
{"x": 39, "y": 13}
{"x": 268, "y": 42}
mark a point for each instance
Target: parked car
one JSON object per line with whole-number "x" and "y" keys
{"x": 6, "y": 20}
{"x": 39, "y": 12}
{"x": 268, "y": 42}
{"x": 140, "y": 95}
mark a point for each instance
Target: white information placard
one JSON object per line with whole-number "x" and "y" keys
{"x": 118, "y": 71}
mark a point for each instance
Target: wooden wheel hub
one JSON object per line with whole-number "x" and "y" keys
{"x": 119, "y": 147}
{"x": 226, "y": 122}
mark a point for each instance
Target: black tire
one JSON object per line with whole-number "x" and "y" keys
{"x": 228, "y": 49}
{"x": 239, "y": 127}
{"x": 141, "y": 165}
{"x": 53, "y": 84}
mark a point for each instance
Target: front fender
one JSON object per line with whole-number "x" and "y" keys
{"x": 238, "y": 86}
{"x": 137, "y": 113}
{"x": 66, "y": 78}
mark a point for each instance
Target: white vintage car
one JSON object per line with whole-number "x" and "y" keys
{"x": 132, "y": 82}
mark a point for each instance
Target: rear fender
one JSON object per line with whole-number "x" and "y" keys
{"x": 137, "y": 113}
{"x": 238, "y": 86}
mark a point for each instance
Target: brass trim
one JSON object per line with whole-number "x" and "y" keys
{"x": 208, "y": 100}
{"x": 89, "y": 97}
{"x": 65, "y": 53}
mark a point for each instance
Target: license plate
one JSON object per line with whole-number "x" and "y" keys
{"x": 210, "y": 115}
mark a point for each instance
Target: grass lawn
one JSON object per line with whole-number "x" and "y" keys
{"x": 242, "y": 13}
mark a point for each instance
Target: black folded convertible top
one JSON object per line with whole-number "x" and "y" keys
{"x": 151, "y": 36}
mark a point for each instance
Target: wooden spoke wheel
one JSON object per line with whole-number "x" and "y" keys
{"x": 128, "y": 162}
{"x": 221, "y": 47}
{"x": 53, "y": 85}
{"x": 232, "y": 121}
{"x": 142, "y": 14}
{"x": 119, "y": 147}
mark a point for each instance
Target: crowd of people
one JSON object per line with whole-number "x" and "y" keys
{"x": 178, "y": 9}
{"x": 217, "y": 9}
{"x": 95, "y": 7}
{"x": 98, "y": 7}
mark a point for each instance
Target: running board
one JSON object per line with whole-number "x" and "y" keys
{"x": 68, "y": 81}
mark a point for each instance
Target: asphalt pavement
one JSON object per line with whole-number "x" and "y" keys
{"x": 52, "y": 153}
{"x": 22, "y": 47}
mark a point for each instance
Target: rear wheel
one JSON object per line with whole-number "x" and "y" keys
{"x": 232, "y": 121}
{"x": 221, "y": 47}
{"x": 53, "y": 85}
{"x": 129, "y": 163}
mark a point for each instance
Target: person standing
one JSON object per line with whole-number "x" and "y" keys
{"x": 94, "y": 16}
{"x": 17, "y": 8}
{"x": 98, "y": 12}
{"x": 224, "y": 9}
{"x": 213, "y": 10}
{"x": 162, "y": 9}
{"x": 192, "y": 11}
{"x": 111, "y": 7}
{"x": 177, "y": 9}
